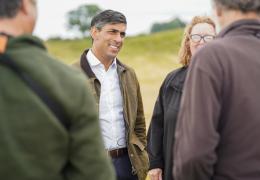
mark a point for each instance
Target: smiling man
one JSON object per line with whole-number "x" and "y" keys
{"x": 116, "y": 89}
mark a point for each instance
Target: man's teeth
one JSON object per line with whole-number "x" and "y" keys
{"x": 114, "y": 47}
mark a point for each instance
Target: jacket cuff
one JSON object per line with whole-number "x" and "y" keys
{"x": 156, "y": 164}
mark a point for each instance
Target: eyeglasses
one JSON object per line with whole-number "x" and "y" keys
{"x": 197, "y": 38}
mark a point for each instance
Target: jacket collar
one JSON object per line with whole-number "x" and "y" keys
{"x": 177, "y": 80}
{"x": 24, "y": 40}
{"x": 87, "y": 69}
{"x": 240, "y": 27}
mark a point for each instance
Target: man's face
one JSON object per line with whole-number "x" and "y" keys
{"x": 108, "y": 40}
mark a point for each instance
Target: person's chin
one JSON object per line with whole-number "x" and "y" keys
{"x": 114, "y": 53}
{"x": 198, "y": 48}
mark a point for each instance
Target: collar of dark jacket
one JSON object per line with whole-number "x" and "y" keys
{"x": 87, "y": 69}
{"x": 176, "y": 81}
{"x": 241, "y": 27}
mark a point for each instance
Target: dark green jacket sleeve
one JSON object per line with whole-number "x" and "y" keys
{"x": 87, "y": 158}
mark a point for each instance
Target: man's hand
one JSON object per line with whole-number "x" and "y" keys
{"x": 155, "y": 174}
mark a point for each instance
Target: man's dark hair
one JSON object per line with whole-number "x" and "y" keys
{"x": 108, "y": 17}
{"x": 241, "y": 5}
{"x": 9, "y": 8}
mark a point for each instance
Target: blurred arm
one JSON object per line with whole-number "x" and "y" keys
{"x": 196, "y": 133}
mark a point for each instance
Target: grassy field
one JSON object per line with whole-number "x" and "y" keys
{"x": 152, "y": 57}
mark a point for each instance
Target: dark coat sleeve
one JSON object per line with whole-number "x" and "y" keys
{"x": 196, "y": 132}
{"x": 156, "y": 130}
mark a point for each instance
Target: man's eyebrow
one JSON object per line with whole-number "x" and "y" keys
{"x": 115, "y": 30}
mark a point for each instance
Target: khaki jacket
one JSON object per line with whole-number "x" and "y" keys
{"x": 133, "y": 112}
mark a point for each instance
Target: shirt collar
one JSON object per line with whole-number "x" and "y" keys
{"x": 94, "y": 61}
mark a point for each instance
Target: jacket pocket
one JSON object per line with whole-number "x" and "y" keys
{"x": 139, "y": 157}
{"x": 135, "y": 141}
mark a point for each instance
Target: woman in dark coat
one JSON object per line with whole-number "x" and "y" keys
{"x": 161, "y": 131}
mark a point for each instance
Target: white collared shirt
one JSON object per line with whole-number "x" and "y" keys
{"x": 110, "y": 104}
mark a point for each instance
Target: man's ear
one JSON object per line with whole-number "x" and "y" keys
{"x": 94, "y": 32}
{"x": 25, "y": 5}
{"x": 218, "y": 10}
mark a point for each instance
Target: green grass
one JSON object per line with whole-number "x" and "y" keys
{"x": 152, "y": 57}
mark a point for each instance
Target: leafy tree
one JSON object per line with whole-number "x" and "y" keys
{"x": 79, "y": 19}
{"x": 173, "y": 24}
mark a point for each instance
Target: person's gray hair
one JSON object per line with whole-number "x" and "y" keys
{"x": 108, "y": 17}
{"x": 9, "y": 8}
{"x": 241, "y": 5}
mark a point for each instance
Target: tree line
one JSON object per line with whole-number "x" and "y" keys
{"x": 79, "y": 19}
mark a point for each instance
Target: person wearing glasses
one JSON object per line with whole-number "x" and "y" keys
{"x": 200, "y": 31}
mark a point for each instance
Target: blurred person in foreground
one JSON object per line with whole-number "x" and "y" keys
{"x": 48, "y": 124}
{"x": 117, "y": 92}
{"x": 200, "y": 31}
{"x": 218, "y": 126}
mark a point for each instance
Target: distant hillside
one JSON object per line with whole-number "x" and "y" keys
{"x": 152, "y": 56}
{"x": 151, "y": 47}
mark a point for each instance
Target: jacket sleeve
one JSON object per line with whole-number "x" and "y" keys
{"x": 155, "y": 133}
{"x": 196, "y": 133}
{"x": 140, "y": 126}
{"x": 87, "y": 156}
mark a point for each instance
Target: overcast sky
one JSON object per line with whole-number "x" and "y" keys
{"x": 140, "y": 14}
